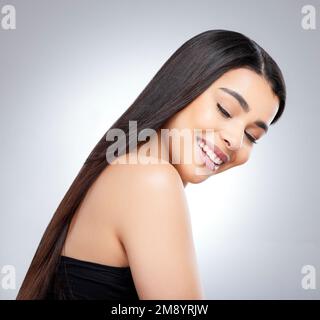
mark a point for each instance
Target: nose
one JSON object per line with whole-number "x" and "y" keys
{"x": 233, "y": 141}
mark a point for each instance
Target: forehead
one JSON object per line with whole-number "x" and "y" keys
{"x": 253, "y": 88}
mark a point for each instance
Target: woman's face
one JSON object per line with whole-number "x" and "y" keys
{"x": 236, "y": 108}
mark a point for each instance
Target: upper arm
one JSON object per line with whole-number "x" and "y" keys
{"x": 156, "y": 233}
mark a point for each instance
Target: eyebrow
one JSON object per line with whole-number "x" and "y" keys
{"x": 245, "y": 106}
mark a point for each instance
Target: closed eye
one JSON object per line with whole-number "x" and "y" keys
{"x": 226, "y": 114}
{"x": 251, "y": 138}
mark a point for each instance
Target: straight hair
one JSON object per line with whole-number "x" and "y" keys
{"x": 190, "y": 70}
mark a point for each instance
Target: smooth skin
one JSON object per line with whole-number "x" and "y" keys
{"x": 137, "y": 215}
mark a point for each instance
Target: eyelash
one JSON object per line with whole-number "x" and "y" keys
{"x": 226, "y": 114}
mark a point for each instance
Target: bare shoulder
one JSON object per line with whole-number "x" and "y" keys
{"x": 133, "y": 188}
{"x": 144, "y": 171}
{"x": 155, "y": 230}
{"x": 143, "y": 179}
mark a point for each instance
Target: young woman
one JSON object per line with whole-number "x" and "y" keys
{"x": 122, "y": 231}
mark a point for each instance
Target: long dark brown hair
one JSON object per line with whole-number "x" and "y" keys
{"x": 190, "y": 70}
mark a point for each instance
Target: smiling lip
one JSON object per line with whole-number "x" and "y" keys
{"x": 225, "y": 158}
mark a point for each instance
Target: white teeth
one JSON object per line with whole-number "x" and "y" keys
{"x": 211, "y": 154}
{"x": 217, "y": 159}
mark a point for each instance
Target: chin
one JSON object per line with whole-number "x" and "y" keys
{"x": 190, "y": 173}
{"x": 196, "y": 179}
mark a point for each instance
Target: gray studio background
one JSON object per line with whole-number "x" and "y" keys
{"x": 71, "y": 68}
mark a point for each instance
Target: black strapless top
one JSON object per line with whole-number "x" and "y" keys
{"x": 83, "y": 280}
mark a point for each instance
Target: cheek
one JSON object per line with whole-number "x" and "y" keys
{"x": 203, "y": 116}
{"x": 242, "y": 156}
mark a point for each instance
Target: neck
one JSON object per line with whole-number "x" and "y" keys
{"x": 155, "y": 143}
